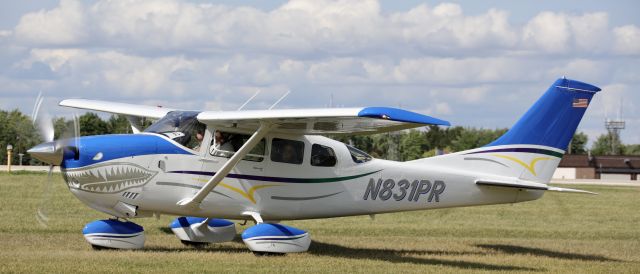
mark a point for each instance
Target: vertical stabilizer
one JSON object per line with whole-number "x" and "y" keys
{"x": 531, "y": 150}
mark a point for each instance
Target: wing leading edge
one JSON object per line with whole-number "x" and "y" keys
{"x": 367, "y": 120}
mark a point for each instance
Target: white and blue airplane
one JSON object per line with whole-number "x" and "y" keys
{"x": 271, "y": 166}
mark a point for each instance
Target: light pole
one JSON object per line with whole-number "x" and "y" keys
{"x": 20, "y": 155}
{"x": 9, "y": 149}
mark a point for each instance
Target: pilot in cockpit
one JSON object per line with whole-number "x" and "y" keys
{"x": 199, "y": 138}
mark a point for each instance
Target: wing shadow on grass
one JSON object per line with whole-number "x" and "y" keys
{"x": 403, "y": 256}
{"x": 521, "y": 250}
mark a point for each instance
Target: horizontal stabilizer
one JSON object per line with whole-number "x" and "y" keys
{"x": 570, "y": 190}
{"x": 530, "y": 185}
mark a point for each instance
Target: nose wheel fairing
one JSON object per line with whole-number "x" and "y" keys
{"x": 114, "y": 234}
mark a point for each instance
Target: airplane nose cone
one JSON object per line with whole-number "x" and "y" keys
{"x": 47, "y": 153}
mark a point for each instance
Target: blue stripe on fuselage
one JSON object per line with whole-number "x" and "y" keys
{"x": 117, "y": 146}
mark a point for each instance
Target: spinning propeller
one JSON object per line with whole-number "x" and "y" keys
{"x": 51, "y": 151}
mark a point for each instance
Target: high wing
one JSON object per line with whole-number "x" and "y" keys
{"x": 321, "y": 121}
{"x": 366, "y": 120}
{"x": 117, "y": 108}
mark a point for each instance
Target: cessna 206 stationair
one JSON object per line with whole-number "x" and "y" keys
{"x": 273, "y": 165}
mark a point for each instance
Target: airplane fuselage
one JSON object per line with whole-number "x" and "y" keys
{"x": 143, "y": 174}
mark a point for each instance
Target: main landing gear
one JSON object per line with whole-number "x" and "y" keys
{"x": 195, "y": 231}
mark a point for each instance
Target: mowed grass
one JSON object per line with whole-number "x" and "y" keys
{"x": 560, "y": 233}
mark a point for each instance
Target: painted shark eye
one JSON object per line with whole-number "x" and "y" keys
{"x": 98, "y": 156}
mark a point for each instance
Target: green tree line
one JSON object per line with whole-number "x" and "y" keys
{"x": 17, "y": 129}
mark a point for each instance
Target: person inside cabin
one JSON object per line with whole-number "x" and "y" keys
{"x": 199, "y": 138}
{"x": 289, "y": 154}
{"x": 221, "y": 145}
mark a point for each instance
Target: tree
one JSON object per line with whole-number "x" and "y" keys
{"x": 578, "y": 143}
{"x": 17, "y": 130}
{"x": 440, "y": 138}
{"x": 91, "y": 124}
{"x": 632, "y": 149}
{"x": 602, "y": 145}
{"x": 118, "y": 124}
{"x": 472, "y": 138}
{"x": 412, "y": 145}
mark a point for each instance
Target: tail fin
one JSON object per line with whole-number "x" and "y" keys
{"x": 531, "y": 150}
{"x": 553, "y": 119}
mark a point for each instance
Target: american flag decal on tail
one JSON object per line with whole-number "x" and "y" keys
{"x": 580, "y": 103}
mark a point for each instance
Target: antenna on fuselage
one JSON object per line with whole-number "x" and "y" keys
{"x": 249, "y": 100}
{"x": 281, "y": 98}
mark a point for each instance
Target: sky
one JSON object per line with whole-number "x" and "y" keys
{"x": 473, "y": 63}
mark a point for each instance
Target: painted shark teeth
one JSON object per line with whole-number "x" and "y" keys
{"x": 108, "y": 178}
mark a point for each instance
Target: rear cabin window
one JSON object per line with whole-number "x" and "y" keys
{"x": 287, "y": 151}
{"x": 358, "y": 156}
{"x": 322, "y": 156}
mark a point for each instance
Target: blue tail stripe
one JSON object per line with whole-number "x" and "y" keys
{"x": 554, "y": 118}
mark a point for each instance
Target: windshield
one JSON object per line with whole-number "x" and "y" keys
{"x": 358, "y": 156}
{"x": 180, "y": 126}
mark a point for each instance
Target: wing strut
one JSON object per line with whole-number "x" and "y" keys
{"x": 226, "y": 168}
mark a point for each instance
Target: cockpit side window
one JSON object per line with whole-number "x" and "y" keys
{"x": 322, "y": 156}
{"x": 225, "y": 144}
{"x": 358, "y": 156}
{"x": 182, "y": 127}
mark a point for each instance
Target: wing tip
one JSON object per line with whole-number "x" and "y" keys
{"x": 401, "y": 115}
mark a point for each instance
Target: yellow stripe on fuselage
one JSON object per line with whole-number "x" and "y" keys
{"x": 247, "y": 194}
{"x": 531, "y": 167}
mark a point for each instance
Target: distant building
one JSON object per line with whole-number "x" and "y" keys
{"x": 614, "y": 167}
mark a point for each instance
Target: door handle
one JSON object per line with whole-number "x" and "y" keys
{"x": 209, "y": 160}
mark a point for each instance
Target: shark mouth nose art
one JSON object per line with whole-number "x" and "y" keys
{"x": 108, "y": 178}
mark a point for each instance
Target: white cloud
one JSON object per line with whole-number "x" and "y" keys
{"x": 590, "y": 31}
{"x": 554, "y": 32}
{"x": 443, "y": 108}
{"x": 5, "y": 33}
{"x": 548, "y": 31}
{"x": 445, "y": 27}
{"x": 312, "y": 28}
{"x": 627, "y": 40}
{"x": 63, "y": 25}
{"x": 594, "y": 70}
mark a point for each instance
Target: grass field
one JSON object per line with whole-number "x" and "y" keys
{"x": 560, "y": 233}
